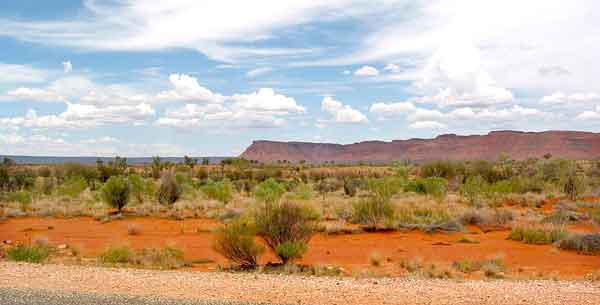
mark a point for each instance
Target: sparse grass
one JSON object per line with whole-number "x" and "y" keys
{"x": 29, "y": 253}
{"x": 426, "y": 217}
{"x": 538, "y": 236}
{"x": 491, "y": 268}
{"x": 152, "y": 258}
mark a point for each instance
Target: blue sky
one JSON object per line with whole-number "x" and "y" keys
{"x": 144, "y": 77}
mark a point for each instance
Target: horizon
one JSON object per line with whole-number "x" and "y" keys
{"x": 144, "y": 78}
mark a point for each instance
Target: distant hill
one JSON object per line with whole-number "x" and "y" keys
{"x": 517, "y": 145}
{"x": 92, "y": 160}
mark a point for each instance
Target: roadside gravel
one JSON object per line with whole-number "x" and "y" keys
{"x": 281, "y": 289}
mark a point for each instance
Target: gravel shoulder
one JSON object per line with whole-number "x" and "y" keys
{"x": 261, "y": 288}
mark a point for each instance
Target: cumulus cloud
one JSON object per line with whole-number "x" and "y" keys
{"x": 187, "y": 88}
{"x": 392, "y": 108}
{"x": 82, "y": 116}
{"x": 590, "y": 115}
{"x": 261, "y": 109}
{"x": 392, "y": 68}
{"x": 366, "y": 71}
{"x": 342, "y": 113}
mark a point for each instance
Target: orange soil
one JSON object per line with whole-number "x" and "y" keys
{"x": 348, "y": 251}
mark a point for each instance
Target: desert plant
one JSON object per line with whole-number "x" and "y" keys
{"x": 29, "y": 253}
{"x": 72, "y": 187}
{"x": 170, "y": 190}
{"x": 433, "y": 186}
{"x": 473, "y": 190}
{"x": 351, "y": 186}
{"x": 116, "y": 255}
{"x": 327, "y": 185}
{"x": 372, "y": 212}
{"x": 588, "y": 244}
{"x": 269, "y": 191}
{"x": 220, "y": 190}
{"x": 235, "y": 241}
{"x": 134, "y": 229}
{"x": 538, "y": 236}
{"x": 573, "y": 186}
{"x": 156, "y": 258}
{"x": 291, "y": 250}
{"x": 115, "y": 192}
{"x": 285, "y": 223}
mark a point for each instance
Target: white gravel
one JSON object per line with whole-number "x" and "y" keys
{"x": 292, "y": 289}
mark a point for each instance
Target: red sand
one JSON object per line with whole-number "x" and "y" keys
{"x": 348, "y": 251}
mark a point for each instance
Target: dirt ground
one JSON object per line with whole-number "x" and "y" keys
{"x": 351, "y": 251}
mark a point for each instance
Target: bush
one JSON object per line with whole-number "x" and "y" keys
{"x": 433, "y": 186}
{"x": 428, "y": 218}
{"x": 221, "y": 190}
{"x": 303, "y": 191}
{"x": 115, "y": 192}
{"x": 588, "y": 244}
{"x": 170, "y": 190}
{"x": 72, "y": 187}
{"x": 351, "y": 186}
{"x": 285, "y": 223}
{"x": 236, "y": 242}
{"x": 573, "y": 187}
{"x": 538, "y": 236}
{"x": 269, "y": 191}
{"x": 327, "y": 186}
{"x": 372, "y": 212}
{"x": 117, "y": 255}
{"x": 473, "y": 189}
{"x": 138, "y": 187}
{"x": 29, "y": 253}
{"x": 291, "y": 250}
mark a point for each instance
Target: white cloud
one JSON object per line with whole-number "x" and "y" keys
{"x": 82, "y": 116}
{"x": 216, "y": 30}
{"x": 35, "y": 94}
{"x": 186, "y": 88}
{"x": 342, "y": 113}
{"x": 261, "y": 109}
{"x": 101, "y": 140}
{"x": 393, "y": 108}
{"x": 366, "y": 71}
{"x": 427, "y": 125}
{"x": 562, "y": 98}
{"x": 590, "y": 115}
{"x": 11, "y": 73}
{"x": 67, "y": 66}
{"x": 258, "y": 71}
{"x": 347, "y": 72}
{"x": 392, "y": 68}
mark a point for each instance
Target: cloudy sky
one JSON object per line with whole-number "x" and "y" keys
{"x": 147, "y": 77}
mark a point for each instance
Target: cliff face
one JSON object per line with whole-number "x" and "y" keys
{"x": 517, "y": 145}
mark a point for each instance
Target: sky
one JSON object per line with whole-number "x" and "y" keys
{"x": 204, "y": 78}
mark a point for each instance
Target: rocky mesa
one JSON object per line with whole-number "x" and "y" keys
{"x": 516, "y": 144}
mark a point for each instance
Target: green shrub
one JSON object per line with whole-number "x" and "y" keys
{"x": 372, "y": 212}
{"x": 537, "y": 236}
{"x": 72, "y": 187}
{"x": 221, "y": 190}
{"x": 573, "y": 186}
{"x": 236, "y": 242}
{"x": 474, "y": 189}
{"x": 138, "y": 187}
{"x": 303, "y": 191}
{"x": 115, "y": 192}
{"x": 29, "y": 253}
{"x": 428, "y": 218}
{"x": 117, "y": 255}
{"x": 169, "y": 191}
{"x": 384, "y": 189}
{"x": 433, "y": 186}
{"x": 291, "y": 250}
{"x": 286, "y": 222}
{"x": 269, "y": 191}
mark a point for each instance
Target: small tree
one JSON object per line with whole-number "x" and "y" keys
{"x": 115, "y": 192}
{"x": 351, "y": 186}
{"x": 220, "y": 190}
{"x": 189, "y": 161}
{"x": 170, "y": 190}
{"x": 286, "y": 228}
{"x": 236, "y": 242}
{"x": 473, "y": 189}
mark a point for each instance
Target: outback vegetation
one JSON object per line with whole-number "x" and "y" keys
{"x": 270, "y": 213}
